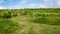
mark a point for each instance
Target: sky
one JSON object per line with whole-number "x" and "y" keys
{"x": 19, "y": 4}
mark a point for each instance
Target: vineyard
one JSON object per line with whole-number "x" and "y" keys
{"x": 30, "y": 21}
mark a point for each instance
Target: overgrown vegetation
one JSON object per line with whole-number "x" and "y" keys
{"x": 36, "y": 21}
{"x": 7, "y": 25}
{"x": 43, "y": 16}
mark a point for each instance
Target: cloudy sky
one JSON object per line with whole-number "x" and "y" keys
{"x": 18, "y": 4}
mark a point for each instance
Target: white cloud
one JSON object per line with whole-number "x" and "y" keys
{"x": 35, "y": 5}
{"x": 49, "y": 2}
{"x": 23, "y": 1}
{"x": 24, "y": 4}
{"x": 46, "y": 0}
{"x": 1, "y": 7}
{"x": 43, "y": 6}
{"x": 57, "y": 3}
{"x": 30, "y": 5}
{"x": 19, "y": 5}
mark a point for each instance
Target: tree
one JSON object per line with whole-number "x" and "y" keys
{"x": 8, "y": 15}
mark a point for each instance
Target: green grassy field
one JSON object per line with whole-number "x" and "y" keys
{"x": 30, "y": 21}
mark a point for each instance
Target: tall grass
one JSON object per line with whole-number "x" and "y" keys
{"x": 8, "y": 26}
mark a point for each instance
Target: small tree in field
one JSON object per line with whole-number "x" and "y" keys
{"x": 7, "y": 15}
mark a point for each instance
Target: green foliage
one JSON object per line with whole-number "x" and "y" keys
{"x": 39, "y": 15}
{"x": 8, "y": 26}
{"x": 43, "y": 15}
{"x": 7, "y": 14}
{"x": 31, "y": 31}
{"x": 37, "y": 20}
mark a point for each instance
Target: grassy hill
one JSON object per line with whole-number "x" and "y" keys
{"x": 30, "y": 21}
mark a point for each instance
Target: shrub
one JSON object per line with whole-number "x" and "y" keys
{"x": 8, "y": 15}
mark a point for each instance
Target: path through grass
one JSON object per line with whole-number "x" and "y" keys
{"x": 36, "y": 28}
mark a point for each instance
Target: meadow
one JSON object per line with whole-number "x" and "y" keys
{"x": 30, "y": 21}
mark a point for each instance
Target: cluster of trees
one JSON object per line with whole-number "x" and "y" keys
{"x": 7, "y": 14}
{"x": 30, "y": 12}
{"x": 8, "y": 25}
{"x": 48, "y": 16}
{"x": 42, "y": 12}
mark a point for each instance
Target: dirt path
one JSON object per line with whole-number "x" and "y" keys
{"x": 23, "y": 21}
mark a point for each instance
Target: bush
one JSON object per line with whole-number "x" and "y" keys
{"x": 46, "y": 20}
{"x": 7, "y": 14}
{"x": 39, "y": 20}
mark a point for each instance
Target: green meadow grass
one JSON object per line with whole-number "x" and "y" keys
{"x": 31, "y": 21}
{"x": 6, "y": 26}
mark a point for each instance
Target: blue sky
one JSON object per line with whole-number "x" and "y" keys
{"x": 18, "y": 4}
